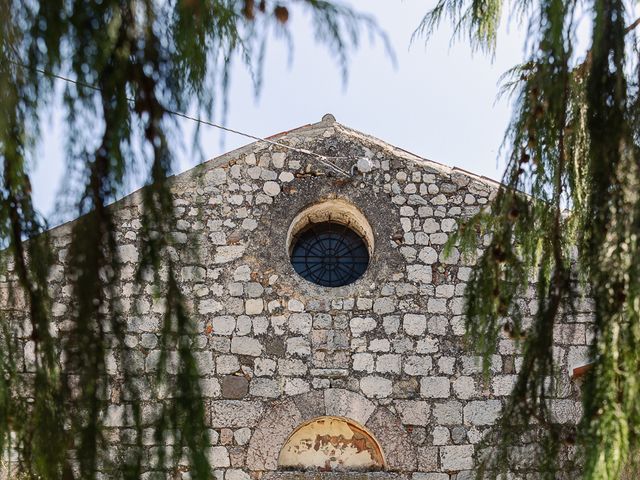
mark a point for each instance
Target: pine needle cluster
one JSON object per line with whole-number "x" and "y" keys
{"x": 132, "y": 62}
{"x": 566, "y": 222}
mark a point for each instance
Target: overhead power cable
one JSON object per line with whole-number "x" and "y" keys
{"x": 324, "y": 159}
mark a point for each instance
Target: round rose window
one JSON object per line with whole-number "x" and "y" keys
{"x": 329, "y": 254}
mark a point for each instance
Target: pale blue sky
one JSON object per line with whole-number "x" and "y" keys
{"x": 438, "y": 102}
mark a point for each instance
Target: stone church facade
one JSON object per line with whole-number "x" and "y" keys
{"x": 352, "y": 358}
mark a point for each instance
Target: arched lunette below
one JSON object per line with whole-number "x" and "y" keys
{"x": 330, "y": 443}
{"x": 285, "y": 416}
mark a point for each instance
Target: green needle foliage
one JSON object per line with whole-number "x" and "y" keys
{"x": 565, "y": 222}
{"x": 132, "y": 61}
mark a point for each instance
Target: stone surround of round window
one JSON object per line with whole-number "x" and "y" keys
{"x": 330, "y": 243}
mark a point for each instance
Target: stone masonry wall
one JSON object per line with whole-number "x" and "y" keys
{"x": 274, "y": 350}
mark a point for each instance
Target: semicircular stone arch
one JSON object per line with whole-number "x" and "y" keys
{"x": 284, "y": 417}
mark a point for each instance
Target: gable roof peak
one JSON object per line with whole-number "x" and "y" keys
{"x": 328, "y": 123}
{"x": 328, "y": 118}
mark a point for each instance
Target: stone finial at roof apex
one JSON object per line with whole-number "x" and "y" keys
{"x": 328, "y": 118}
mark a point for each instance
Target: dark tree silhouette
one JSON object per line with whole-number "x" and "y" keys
{"x": 566, "y": 221}
{"x": 132, "y": 62}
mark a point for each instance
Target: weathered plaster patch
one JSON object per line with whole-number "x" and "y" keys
{"x": 331, "y": 443}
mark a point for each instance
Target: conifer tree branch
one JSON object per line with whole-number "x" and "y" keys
{"x": 165, "y": 55}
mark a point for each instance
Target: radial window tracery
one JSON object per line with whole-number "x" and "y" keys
{"x": 329, "y": 254}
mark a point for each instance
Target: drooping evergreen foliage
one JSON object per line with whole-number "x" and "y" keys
{"x": 132, "y": 61}
{"x": 566, "y": 223}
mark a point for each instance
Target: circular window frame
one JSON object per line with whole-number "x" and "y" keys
{"x": 331, "y": 211}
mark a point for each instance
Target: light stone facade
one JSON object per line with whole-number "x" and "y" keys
{"x": 276, "y": 351}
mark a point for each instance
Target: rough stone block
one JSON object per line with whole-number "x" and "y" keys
{"x": 394, "y": 440}
{"x": 414, "y": 324}
{"x": 437, "y": 305}
{"x": 572, "y": 334}
{"x": 448, "y": 413}
{"x": 264, "y": 367}
{"x": 291, "y": 367}
{"x": 456, "y": 457}
{"x": 223, "y": 325}
{"x": 441, "y": 435}
{"x": 391, "y": 324}
{"x": 295, "y": 305}
{"x": 431, "y": 475}
{"x": 226, "y": 254}
{"x": 298, "y": 346}
{"x": 419, "y": 273}
{"x": 414, "y": 412}
{"x": 464, "y": 387}
{"x": 437, "y": 325}
{"x": 271, "y": 188}
{"x": 418, "y": 365}
{"x": 300, "y": 323}
{"x": 253, "y": 306}
{"x": 427, "y": 462}
{"x": 205, "y": 363}
{"x": 428, "y": 345}
{"x": 344, "y": 403}
{"x": 473, "y": 364}
{"x": 311, "y": 404}
{"x": 383, "y": 306}
{"x": 246, "y": 346}
{"x": 242, "y": 436}
{"x": 236, "y": 474}
{"x": 360, "y": 325}
{"x": 128, "y": 253}
{"x": 264, "y": 387}
{"x": 209, "y": 306}
{"x": 428, "y": 255}
{"x": 459, "y": 435}
{"x": 226, "y": 364}
{"x": 406, "y": 388}
{"x": 234, "y": 387}
{"x": 218, "y": 457}
{"x": 235, "y": 413}
{"x": 379, "y": 345}
{"x": 566, "y": 411}
{"x": 363, "y": 362}
{"x": 270, "y": 434}
{"x": 374, "y": 386}
{"x": 435, "y": 387}
{"x": 502, "y": 385}
{"x": 389, "y": 363}
{"x": 295, "y": 386}
{"x": 482, "y": 412}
